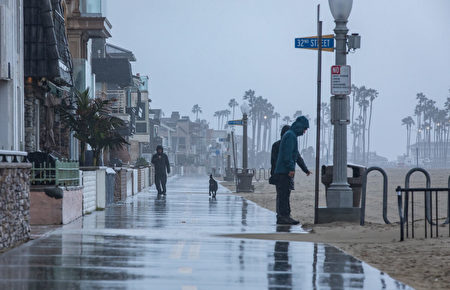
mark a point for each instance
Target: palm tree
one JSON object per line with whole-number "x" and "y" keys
{"x": 77, "y": 117}
{"x": 408, "y": 122}
{"x": 260, "y": 105}
{"x": 250, "y": 97}
{"x": 419, "y": 109}
{"x": 363, "y": 103}
{"x": 277, "y": 116}
{"x": 92, "y": 123}
{"x": 218, "y": 115}
{"x": 196, "y": 110}
{"x": 373, "y": 94}
{"x": 287, "y": 119}
{"x": 297, "y": 113}
{"x": 225, "y": 113}
{"x": 233, "y": 104}
{"x": 105, "y": 135}
{"x": 447, "y": 128}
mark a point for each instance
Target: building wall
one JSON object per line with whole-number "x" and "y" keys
{"x": 14, "y": 203}
{"x": 11, "y": 75}
{"x": 89, "y": 191}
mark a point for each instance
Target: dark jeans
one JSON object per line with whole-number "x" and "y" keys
{"x": 160, "y": 181}
{"x": 283, "y": 187}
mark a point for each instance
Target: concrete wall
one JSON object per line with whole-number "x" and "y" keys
{"x": 89, "y": 191}
{"x": 120, "y": 190}
{"x": 141, "y": 179}
{"x": 135, "y": 181}
{"x": 72, "y": 204}
{"x": 47, "y": 210}
{"x": 146, "y": 177}
{"x": 101, "y": 187}
{"x": 14, "y": 204}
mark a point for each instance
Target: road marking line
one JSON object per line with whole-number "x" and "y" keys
{"x": 194, "y": 251}
{"x": 185, "y": 270}
{"x": 188, "y": 287}
{"x": 177, "y": 250}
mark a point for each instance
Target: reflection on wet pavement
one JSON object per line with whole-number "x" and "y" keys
{"x": 171, "y": 242}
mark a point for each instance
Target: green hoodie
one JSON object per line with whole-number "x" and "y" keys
{"x": 288, "y": 153}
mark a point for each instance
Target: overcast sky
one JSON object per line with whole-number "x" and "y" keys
{"x": 209, "y": 51}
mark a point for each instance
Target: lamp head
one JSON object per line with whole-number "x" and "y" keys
{"x": 245, "y": 109}
{"x": 340, "y": 9}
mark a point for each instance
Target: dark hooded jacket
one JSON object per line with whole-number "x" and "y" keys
{"x": 274, "y": 154}
{"x": 161, "y": 162}
{"x": 288, "y": 153}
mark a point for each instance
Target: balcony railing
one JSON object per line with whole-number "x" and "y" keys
{"x": 9, "y": 156}
{"x": 119, "y": 106}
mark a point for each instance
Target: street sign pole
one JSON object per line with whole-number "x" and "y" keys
{"x": 319, "y": 103}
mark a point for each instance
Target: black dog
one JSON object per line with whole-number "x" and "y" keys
{"x": 212, "y": 186}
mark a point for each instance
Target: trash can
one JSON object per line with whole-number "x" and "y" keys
{"x": 355, "y": 181}
{"x": 110, "y": 186}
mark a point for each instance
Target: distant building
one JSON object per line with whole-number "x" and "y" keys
{"x": 141, "y": 101}
{"x": 187, "y": 141}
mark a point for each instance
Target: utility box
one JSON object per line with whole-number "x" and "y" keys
{"x": 244, "y": 180}
{"x": 355, "y": 181}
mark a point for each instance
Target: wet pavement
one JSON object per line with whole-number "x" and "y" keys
{"x": 151, "y": 242}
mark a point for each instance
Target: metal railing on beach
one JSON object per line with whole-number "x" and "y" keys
{"x": 403, "y": 197}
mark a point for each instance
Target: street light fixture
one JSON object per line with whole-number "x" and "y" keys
{"x": 244, "y": 178}
{"x": 339, "y": 194}
{"x": 245, "y": 109}
{"x": 340, "y": 9}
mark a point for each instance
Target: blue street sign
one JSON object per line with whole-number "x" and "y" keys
{"x": 223, "y": 139}
{"x": 236, "y": 122}
{"x": 312, "y": 43}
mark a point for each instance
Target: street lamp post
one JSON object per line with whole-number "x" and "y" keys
{"x": 244, "y": 178}
{"x": 244, "y": 109}
{"x": 340, "y": 194}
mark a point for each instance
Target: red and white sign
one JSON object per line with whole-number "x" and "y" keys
{"x": 341, "y": 80}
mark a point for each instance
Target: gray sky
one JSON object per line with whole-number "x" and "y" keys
{"x": 209, "y": 51}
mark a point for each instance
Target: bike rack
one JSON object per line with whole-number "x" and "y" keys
{"x": 363, "y": 194}
{"x": 400, "y": 213}
{"x": 262, "y": 175}
{"x": 268, "y": 174}
{"x": 448, "y": 204}
{"x": 257, "y": 177}
{"x": 427, "y": 196}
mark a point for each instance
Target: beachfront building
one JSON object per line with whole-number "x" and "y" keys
{"x": 14, "y": 171}
{"x": 141, "y": 101}
{"x": 85, "y": 21}
{"x": 48, "y": 77}
{"x": 114, "y": 80}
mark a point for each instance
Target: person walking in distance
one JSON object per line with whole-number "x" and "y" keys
{"x": 284, "y": 171}
{"x": 161, "y": 163}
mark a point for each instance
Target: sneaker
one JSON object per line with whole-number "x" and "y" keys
{"x": 293, "y": 222}
{"x": 287, "y": 221}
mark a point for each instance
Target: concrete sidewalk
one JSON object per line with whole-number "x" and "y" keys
{"x": 173, "y": 242}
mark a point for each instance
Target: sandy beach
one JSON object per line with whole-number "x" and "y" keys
{"x": 420, "y": 263}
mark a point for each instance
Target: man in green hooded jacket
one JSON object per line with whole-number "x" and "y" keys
{"x": 285, "y": 168}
